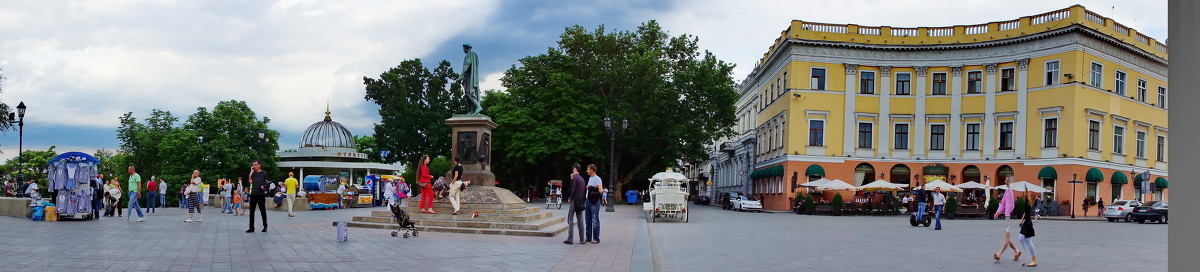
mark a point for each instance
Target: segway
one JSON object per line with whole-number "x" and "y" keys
{"x": 926, "y": 220}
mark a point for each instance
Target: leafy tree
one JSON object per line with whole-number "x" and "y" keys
{"x": 366, "y": 144}
{"x": 676, "y": 98}
{"x": 36, "y": 166}
{"x": 414, "y": 103}
{"x": 5, "y": 124}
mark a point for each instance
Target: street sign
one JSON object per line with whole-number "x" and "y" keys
{"x": 1074, "y": 181}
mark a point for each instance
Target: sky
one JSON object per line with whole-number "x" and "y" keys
{"x": 80, "y": 65}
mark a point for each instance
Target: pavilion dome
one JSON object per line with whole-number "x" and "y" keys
{"x": 327, "y": 133}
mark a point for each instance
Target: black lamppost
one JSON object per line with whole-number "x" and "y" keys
{"x": 1073, "y": 182}
{"x": 612, "y": 165}
{"x": 20, "y": 119}
{"x": 262, "y": 136}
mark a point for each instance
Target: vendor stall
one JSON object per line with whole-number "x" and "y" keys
{"x": 70, "y": 175}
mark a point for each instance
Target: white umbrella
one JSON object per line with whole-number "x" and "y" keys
{"x": 882, "y": 185}
{"x": 1022, "y": 186}
{"x": 816, "y": 183}
{"x": 941, "y": 184}
{"x": 835, "y": 185}
{"x": 972, "y": 185}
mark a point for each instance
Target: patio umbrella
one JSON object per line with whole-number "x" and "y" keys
{"x": 946, "y": 187}
{"x": 816, "y": 183}
{"x": 836, "y": 185}
{"x": 1022, "y": 186}
{"x": 882, "y": 185}
{"x": 972, "y": 185}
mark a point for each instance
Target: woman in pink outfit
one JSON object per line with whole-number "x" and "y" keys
{"x": 423, "y": 177}
{"x": 1006, "y": 207}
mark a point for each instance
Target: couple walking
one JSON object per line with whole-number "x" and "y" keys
{"x": 584, "y": 197}
{"x": 457, "y": 185}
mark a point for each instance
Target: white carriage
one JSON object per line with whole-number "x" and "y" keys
{"x": 668, "y": 196}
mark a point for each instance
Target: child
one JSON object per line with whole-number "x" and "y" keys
{"x": 237, "y": 203}
{"x": 440, "y": 188}
{"x": 402, "y": 192}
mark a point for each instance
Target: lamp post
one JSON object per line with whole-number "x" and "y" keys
{"x": 1073, "y": 182}
{"x": 612, "y": 165}
{"x": 262, "y": 135}
{"x": 20, "y": 119}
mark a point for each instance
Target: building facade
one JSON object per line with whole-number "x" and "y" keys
{"x": 734, "y": 158}
{"x": 1044, "y": 98}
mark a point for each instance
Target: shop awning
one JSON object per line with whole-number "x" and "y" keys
{"x": 971, "y": 171}
{"x": 936, "y": 170}
{"x": 1160, "y": 183}
{"x": 1048, "y": 173}
{"x": 1119, "y": 177}
{"x": 1137, "y": 181}
{"x": 772, "y": 171}
{"x": 815, "y": 171}
{"x": 1094, "y": 175}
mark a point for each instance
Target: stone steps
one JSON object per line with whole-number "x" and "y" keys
{"x": 530, "y": 222}
{"x": 484, "y": 214}
{"x": 547, "y": 232}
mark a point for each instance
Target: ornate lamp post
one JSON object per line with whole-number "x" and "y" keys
{"x": 20, "y": 119}
{"x": 1073, "y": 182}
{"x": 262, "y": 135}
{"x": 612, "y": 165}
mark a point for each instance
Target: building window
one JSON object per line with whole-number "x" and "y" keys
{"x": 1006, "y": 136}
{"x": 1051, "y": 135}
{"x": 1116, "y": 191}
{"x": 937, "y": 137}
{"x": 1097, "y": 75}
{"x": 972, "y": 137}
{"x": 784, "y": 86}
{"x": 1141, "y": 144}
{"x": 1141, "y": 95}
{"x": 1162, "y": 97}
{"x": 974, "y": 82}
{"x": 1120, "y": 83}
{"x": 868, "y": 83}
{"x": 1094, "y": 135}
{"x": 1051, "y": 73}
{"x": 1008, "y": 80}
{"x": 939, "y": 84}
{"x": 818, "y": 79}
{"x": 864, "y": 135}
{"x": 901, "y": 136}
{"x": 903, "y": 83}
{"x": 1118, "y": 140}
{"x": 1162, "y": 148}
{"x": 816, "y": 133}
{"x": 778, "y": 87}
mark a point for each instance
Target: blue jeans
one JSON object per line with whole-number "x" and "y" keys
{"x": 937, "y": 214}
{"x": 151, "y": 202}
{"x": 228, "y": 205}
{"x": 162, "y": 200}
{"x": 133, "y": 204}
{"x": 183, "y": 201}
{"x": 920, "y": 210}
{"x": 592, "y": 215}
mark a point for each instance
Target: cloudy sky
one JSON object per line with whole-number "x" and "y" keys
{"x": 79, "y": 65}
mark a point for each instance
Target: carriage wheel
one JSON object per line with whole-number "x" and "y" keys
{"x": 686, "y": 217}
{"x": 414, "y": 233}
{"x": 406, "y": 235}
{"x": 394, "y": 234}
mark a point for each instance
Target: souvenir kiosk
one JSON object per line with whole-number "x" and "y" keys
{"x": 70, "y": 179}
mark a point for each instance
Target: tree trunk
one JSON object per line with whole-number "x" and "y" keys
{"x": 645, "y": 161}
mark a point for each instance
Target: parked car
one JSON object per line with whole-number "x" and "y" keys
{"x": 726, "y": 200}
{"x": 1151, "y": 211}
{"x": 1120, "y": 209}
{"x": 702, "y": 200}
{"x": 747, "y": 203}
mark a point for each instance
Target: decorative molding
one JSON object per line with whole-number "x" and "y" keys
{"x": 921, "y": 70}
{"x": 1120, "y": 119}
{"x": 1049, "y": 110}
{"x": 885, "y": 71}
{"x": 812, "y": 113}
{"x": 1096, "y": 112}
{"x": 991, "y": 68}
{"x": 1141, "y": 124}
{"x": 1023, "y": 64}
{"x": 1160, "y": 129}
{"x": 956, "y": 70}
{"x": 851, "y": 69}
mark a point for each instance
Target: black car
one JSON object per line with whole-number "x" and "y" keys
{"x": 726, "y": 198}
{"x": 702, "y": 200}
{"x": 1151, "y": 211}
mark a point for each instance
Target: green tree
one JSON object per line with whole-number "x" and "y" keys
{"x": 5, "y": 124}
{"x": 36, "y": 166}
{"x": 677, "y": 100}
{"x": 366, "y": 144}
{"x": 414, "y": 103}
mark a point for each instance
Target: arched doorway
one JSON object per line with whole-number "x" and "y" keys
{"x": 900, "y": 174}
{"x": 863, "y": 173}
{"x": 971, "y": 173}
{"x": 1002, "y": 173}
{"x": 1049, "y": 176}
{"x": 935, "y": 171}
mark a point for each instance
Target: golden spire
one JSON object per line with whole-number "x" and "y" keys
{"x": 327, "y": 118}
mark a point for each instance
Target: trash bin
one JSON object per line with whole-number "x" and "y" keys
{"x": 39, "y": 213}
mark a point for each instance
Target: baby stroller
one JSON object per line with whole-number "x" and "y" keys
{"x": 404, "y": 221}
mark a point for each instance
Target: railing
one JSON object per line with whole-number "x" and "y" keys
{"x": 1010, "y": 25}
{"x": 1096, "y": 18}
{"x": 976, "y": 29}
{"x": 940, "y": 31}
{"x": 1143, "y": 39}
{"x": 865, "y": 30}
{"x": 904, "y": 32}
{"x": 1120, "y": 28}
{"x": 825, "y": 27}
{"x": 1160, "y": 46}
{"x": 1050, "y": 17}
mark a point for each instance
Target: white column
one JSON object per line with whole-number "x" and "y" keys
{"x": 956, "y": 81}
{"x": 918, "y": 126}
{"x": 885, "y": 83}
{"x": 989, "y": 118}
{"x": 1022, "y": 106}
{"x": 850, "y": 124}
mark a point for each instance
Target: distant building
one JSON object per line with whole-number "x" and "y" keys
{"x": 328, "y": 148}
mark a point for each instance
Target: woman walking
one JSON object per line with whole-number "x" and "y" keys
{"x": 423, "y": 177}
{"x": 1027, "y": 234}
{"x": 193, "y": 193}
{"x": 456, "y": 185}
{"x": 1006, "y": 207}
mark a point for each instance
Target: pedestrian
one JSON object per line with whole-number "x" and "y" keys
{"x": 595, "y": 191}
{"x": 907, "y": 201}
{"x": 195, "y": 205}
{"x": 1006, "y": 206}
{"x": 919, "y": 194}
{"x": 577, "y": 195}
{"x": 1100, "y": 207}
{"x": 1027, "y": 233}
{"x": 183, "y": 196}
{"x": 151, "y": 195}
{"x": 403, "y": 192}
{"x": 456, "y": 185}
{"x": 258, "y": 194}
{"x": 97, "y": 184}
{"x": 238, "y": 196}
{"x": 290, "y": 185}
{"x": 226, "y": 196}
{"x": 113, "y": 193}
{"x": 424, "y": 179}
{"x": 939, "y": 202}
{"x": 162, "y": 192}
{"x": 135, "y": 193}
{"x": 341, "y": 193}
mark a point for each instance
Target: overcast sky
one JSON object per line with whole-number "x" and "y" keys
{"x": 80, "y": 65}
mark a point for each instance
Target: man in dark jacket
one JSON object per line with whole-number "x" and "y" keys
{"x": 577, "y": 194}
{"x": 919, "y": 194}
{"x": 258, "y": 194}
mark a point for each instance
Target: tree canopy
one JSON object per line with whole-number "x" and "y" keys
{"x": 414, "y": 103}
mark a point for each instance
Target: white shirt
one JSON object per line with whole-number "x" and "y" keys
{"x": 939, "y": 199}
{"x": 341, "y": 189}
{"x": 162, "y": 188}
{"x": 906, "y": 199}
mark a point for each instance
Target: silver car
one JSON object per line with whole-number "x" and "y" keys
{"x": 747, "y": 203}
{"x": 1120, "y": 210}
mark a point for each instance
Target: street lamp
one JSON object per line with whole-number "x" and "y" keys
{"x": 20, "y": 119}
{"x": 612, "y": 165}
{"x": 1073, "y": 182}
{"x": 262, "y": 135}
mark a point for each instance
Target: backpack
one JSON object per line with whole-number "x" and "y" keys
{"x": 401, "y": 190}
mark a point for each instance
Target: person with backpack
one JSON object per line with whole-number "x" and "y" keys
{"x": 577, "y": 195}
{"x": 595, "y": 194}
{"x": 402, "y": 192}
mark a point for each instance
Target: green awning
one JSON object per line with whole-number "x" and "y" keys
{"x": 1119, "y": 177}
{"x": 1004, "y": 171}
{"x": 901, "y": 170}
{"x": 971, "y": 171}
{"x": 1048, "y": 173}
{"x": 1160, "y": 183}
{"x": 1094, "y": 175}
{"x": 815, "y": 170}
{"x": 1137, "y": 181}
{"x": 935, "y": 170}
{"x": 772, "y": 171}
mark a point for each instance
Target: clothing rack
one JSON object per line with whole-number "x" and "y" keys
{"x": 73, "y": 176}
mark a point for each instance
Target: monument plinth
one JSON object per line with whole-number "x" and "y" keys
{"x": 471, "y": 136}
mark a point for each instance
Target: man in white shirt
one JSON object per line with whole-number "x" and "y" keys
{"x": 939, "y": 201}
{"x": 162, "y": 191}
{"x": 341, "y": 192}
{"x": 227, "y": 195}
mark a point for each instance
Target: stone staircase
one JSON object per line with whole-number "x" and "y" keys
{"x": 499, "y": 219}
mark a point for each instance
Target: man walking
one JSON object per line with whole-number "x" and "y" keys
{"x": 290, "y": 185}
{"x": 162, "y": 193}
{"x": 576, "y": 198}
{"x": 97, "y": 184}
{"x": 939, "y": 201}
{"x": 258, "y": 194}
{"x": 226, "y": 196}
{"x": 135, "y": 193}
{"x": 151, "y": 195}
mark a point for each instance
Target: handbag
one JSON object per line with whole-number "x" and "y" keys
{"x": 577, "y": 204}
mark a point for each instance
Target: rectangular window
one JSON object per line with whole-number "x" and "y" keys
{"x": 974, "y": 82}
{"x": 778, "y": 87}
{"x": 1008, "y": 80}
{"x": 1051, "y": 135}
{"x": 1120, "y": 83}
{"x": 903, "y": 83}
{"x": 901, "y": 136}
{"x": 939, "y": 84}
{"x": 1097, "y": 75}
{"x": 1051, "y": 73}
{"x": 1162, "y": 97}
{"x": 1118, "y": 140}
{"x": 1094, "y": 135}
{"x": 818, "y": 79}
{"x": 1006, "y": 136}
{"x": 937, "y": 137}
{"x": 868, "y": 83}
{"x": 1162, "y": 148}
{"x": 1141, "y": 144}
{"x": 972, "y": 137}
{"x": 816, "y": 133}
{"x": 1141, "y": 95}
{"x": 864, "y": 135}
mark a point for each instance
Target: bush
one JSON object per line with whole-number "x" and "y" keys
{"x": 1019, "y": 210}
{"x": 993, "y": 205}
{"x": 837, "y": 202}
{"x": 952, "y": 205}
{"x": 799, "y": 199}
{"x": 809, "y": 205}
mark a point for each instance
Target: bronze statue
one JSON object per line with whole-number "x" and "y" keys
{"x": 470, "y": 79}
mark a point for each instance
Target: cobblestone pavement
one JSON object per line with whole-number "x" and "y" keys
{"x": 719, "y": 240}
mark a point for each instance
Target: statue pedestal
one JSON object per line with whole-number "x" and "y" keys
{"x": 471, "y": 135}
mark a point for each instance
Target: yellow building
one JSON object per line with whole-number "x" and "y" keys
{"x": 1042, "y": 98}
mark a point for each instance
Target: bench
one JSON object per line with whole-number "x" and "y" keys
{"x": 971, "y": 212}
{"x": 823, "y": 209}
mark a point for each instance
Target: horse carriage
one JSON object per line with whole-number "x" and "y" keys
{"x": 668, "y": 196}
